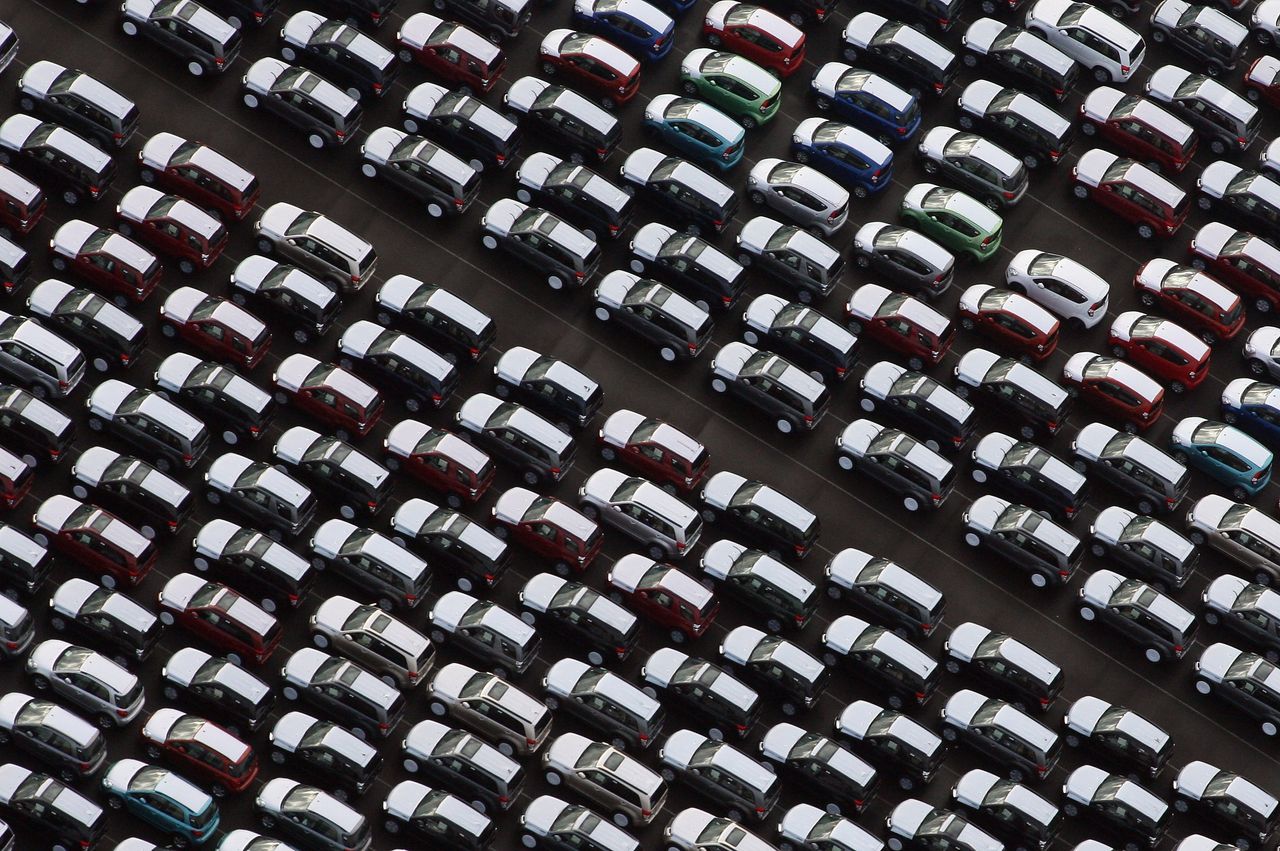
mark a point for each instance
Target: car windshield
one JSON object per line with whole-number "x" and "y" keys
{"x": 886, "y": 33}
{"x": 1044, "y": 263}
{"x": 891, "y": 304}
{"x": 1018, "y": 517}
{"x": 1027, "y": 455}
{"x": 1098, "y": 368}
{"x": 1237, "y": 244}
{"x": 1209, "y": 432}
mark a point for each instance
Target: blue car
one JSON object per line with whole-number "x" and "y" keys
{"x": 698, "y": 130}
{"x": 638, "y": 27}
{"x": 163, "y": 799}
{"x": 867, "y": 101}
{"x": 1253, "y": 406}
{"x": 1224, "y": 453}
{"x": 846, "y": 154}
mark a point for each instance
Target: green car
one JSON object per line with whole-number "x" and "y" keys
{"x": 958, "y": 221}
{"x": 739, "y": 87}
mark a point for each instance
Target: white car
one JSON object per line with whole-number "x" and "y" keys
{"x": 1095, "y": 39}
{"x": 694, "y": 829}
{"x": 1265, "y": 22}
{"x": 553, "y": 823}
{"x": 809, "y": 827}
{"x": 804, "y": 194}
{"x": 915, "y": 822}
{"x": 1076, "y": 293}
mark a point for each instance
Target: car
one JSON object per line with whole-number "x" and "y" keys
{"x": 1022, "y": 746}
{"x": 310, "y": 816}
{"x": 518, "y": 722}
{"x": 703, "y": 273}
{"x": 886, "y": 591}
{"x": 695, "y": 129}
{"x": 261, "y": 492}
{"x": 918, "y": 825}
{"x": 605, "y": 702}
{"x": 463, "y": 124}
{"x": 1227, "y": 120}
{"x": 899, "y": 744}
{"x": 551, "y": 823}
{"x": 1014, "y": 812}
{"x": 22, "y": 205}
{"x": 221, "y": 616}
{"x": 734, "y": 84}
{"x": 16, "y": 478}
{"x": 204, "y": 41}
{"x": 981, "y": 167}
{"x": 851, "y": 157}
{"x": 655, "y": 313}
{"x": 326, "y": 752}
{"x": 197, "y": 171}
{"x": 1117, "y": 733}
{"x": 872, "y": 103}
{"x": 435, "y": 815}
{"x": 958, "y": 221}
{"x": 547, "y": 384}
{"x": 901, "y": 323}
{"x": 662, "y": 452}
{"x": 918, "y": 61}
{"x": 706, "y": 690}
{"x": 416, "y": 374}
{"x": 395, "y": 576}
{"x": 1039, "y": 405}
{"x": 1104, "y": 46}
{"x": 88, "y": 679}
{"x": 230, "y": 692}
{"x": 790, "y": 675}
{"x": 1139, "y": 127}
{"x": 341, "y": 52}
{"x": 1225, "y": 453}
{"x": 98, "y": 540}
{"x": 783, "y": 596}
{"x": 1241, "y": 532}
{"x": 436, "y": 457}
{"x": 755, "y": 33}
{"x": 1242, "y": 259}
{"x": 575, "y": 193}
{"x": 316, "y": 243}
{"x": 549, "y": 528}
{"x": 113, "y": 262}
{"x": 665, "y": 595}
{"x": 801, "y": 192}
{"x": 693, "y": 199}
{"x": 1248, "y": 196}
{"x": 722, "y": 773}
{"x": 792, "y": 256}
{"x": 45, "y": 805}
{"x": 103, "y": 332}
{"x": 33, "y": 356}
{"x": 1139, "y": 612}
{"x": 1002, "y": 661}
{"x": 326, "y": 114}
{"x": 1010, "y": 319}
{"x": 808, "y": 827}
{"x": 62, "y": 159}
{"x": 628, "y": 789}
{"x": 905, "y": 672}
{"x": 1067, "y": 287}
{"x": 216, "y": 326}
{"x": 1115, "y": 387}
{"x": 276, "y": 575}
{"x": 451, "y": 50}
{"x": 541, "y": 240}
{"x": 567, "y": 119}
{"x": 1265, "y": 23}
{"x": 905, "y": 256}
{"x": 1144, "y": 546}
{"x": 637, "y": 26}
{"x": 1018, "y": 120}
{"x": 1192, "y": 296}
{"x": 760, "y": 514}
{"x": 802, "y": 334}
{"x": 1161, "y": 347}
{"x": 382, "y": 643}
{"x": 56, "y": 736}
{"x": 771, "y": 383}
{"x": 1262, "y": 80}
{"x": 451, "y": 325}
{"x": 921, "y": 477}
{"x": 228, "y": 404}
{"x": 78, "y": 101}
{"x": 592, "y": 63}
{"x": 1019, "y": 56}
{"x": 339, "y": 470}
{"x": 1030, "y": 475}
{"x": 305, "y": 305}
{"x": 17, "y": 626}
{"x": 1132, "y": 190}
{"x": 434, "y": 176}
{"x": 582, "y": 614}
{"x": 1120, "y": 806}
{"x": 343, "y": 690}
{"x": 485, "y": 631}
{"x": 1250, "y": 406}
{"x": 33, "y": 425}
{"x": 1047, "y": 552}
{"x": 462, "y": 761}
{"x": 1235, "y": 803}
{"x": 541, "y": 450}
{"x": 930, "y": 15}
{"x": 665, "y": 525}
{"x": 1245, "y": 608}
{"x": 111, "y": 621}
{"x": 329, "y": 393}
{"x": 222, "y": 761}
{"x": 1204, "y": 33}
{"x": 1242, "y": 678}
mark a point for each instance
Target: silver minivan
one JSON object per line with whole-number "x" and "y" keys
{"x": 628, "y": 789}
{"x": 513, "y": 718}
{"x": 666, "y": 525}
{"x": 604, "y": 701}
{"x": 379, "y": 642}
{"x": 88, "y": 679}
{"x": 37, "y": 358}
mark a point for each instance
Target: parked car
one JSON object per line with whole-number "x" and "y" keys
{"x": 451, "y": 50}
{"x": 566, "y": 119}
{"x": 782, "y": 595}
{"x": 1046, "y": 551}
{"x": 448, "y": 323}
{"x": 756, "y": 33}
{"x": 1017, "y": 55}
{"x": 662, "y": 452}
{"x": 342, "y": 690}
{"x": 920, "y": 476}
{"x": 198, "y": 746}
{"x": 318, "y": 244}
{"x": 696, "y": 129}
{"x": 1065, "y": 286}
{"x": 771, "y": 383}
{"x": 1145, "y": 546}
{"x": 922, "y": 63}
{"x": 221, "y": 616}
{"x": 173, "y": 226}
{"x": 918, "y": 825}
{"x": 760, "y": 514}
{"x": 721, "y": 772}
{"x": 802, "y": 334}
{"x": 226, "y": 691}
{"x": 548, "y": 822}
{"x": 605, "y": 702}
{"x": 703, "y": 273}
{"x": 1005, "y": 663}
{"x": 88, "y": 679}
{"x": 1103, "y": 45}
{"x": 1227, "y": 120}
{"x": 311, "y": 817}
{"x": 327, "y": 753}
{"x": 515, "y": 720}
{"x": 59, "y": 157}
{"x": 395, "y": 576}
{"x": 906, "y": 258}
{"x": 1192, "y": 296}
{"x": 1206, "y": 34}
{"x": 461, "y": 761}
{"x": 35, "y": 357}
{"x": 216, "y": 326}
{"x": 1014, "y": 812}
{"x": 593, "y": 63}
{"x": 792, "y": 256}
{"x": 1139, "y": 127}
{"x": 665, "y": 594}
{"x": 1224, "y": 453}
{"x": 1116, "y": 733}
{"x": 275, "y": 574}
{"x": 1120, "y": 806}
{"x": 261, "y": 492}
{"x": 1039, "y": 405}
{"x": 512, "y": 432}
{"x": 97, "y": 540}
{"x": 1251, "y": 197}
{"x": 475, "y": 132}
{"x": 901, "y": 323}
{"x": 45, "y": 805}
{"x": 1017, "y": 120}
{"x": 1249, "y": 610}
{"x": 107, "y": 258}
{"x": 434, "y": 815}
{"x": 72, "y": 747}
{"x": 1162, "y": 348}
{"x": 637, "y": 26}
{"x": 326, "y": 114}
{"x": 654, "y": 312}
{"x": 791, "y": 675}
{"x": 583, "y": 614}
{"x": 1010, "y": 319}
{"x": 337, "y": 469}
{"x": 1241, "y": 532}
{"x": 1115, "y": 387}
{"x": 78, "y": 101}
{"x": 1021, "y": 745}
{"x": 1234, "y": 803}
{"x": 1029, "y": 474}
{"x": 305, "y": 305}
{"x": 896, "y": 742}
{"x": 341, "y": 52}
{"x": 1140, "y": 612}
{"x": 111, "y": 621}
{"x": 1243, "y": 679}
{"x": 329, "y": 393}
{"x": 550, "y": 528}
{"x": 1154, "y": 204}
{"x": 706, "y": 690}
{"x": 196, "y": 171}
{"x": 575, "y": 193}
{"x": 485, "y": 631}
{"x": 625, "y": 787}
{"x": 887, "y": 112}
{"x": 565, "y": 255}
{"x": 441, "y": 181}
{"x": 473, "y": 553}
{"x": 980, "y": 167}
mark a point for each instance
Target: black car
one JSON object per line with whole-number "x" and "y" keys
{"x": 1250, "y": 197}
{"x": 918, "y": 404}
{"x": 705, "y": 690}
{"x": 432, "y": 175}
{"x": 352, "y": 480}
{"x": 111, "y": 622}
{"x": 790, "y": 255}
{"x": 574, "y": 193}
{"x": 904, "y": 53}
{"x": 655, "y": 313}
{"x": 782, "y": 596}
{"x": 131, "y": 487}
{"x": 497, "y": 19}
{"x": 33, "y": 426}
{"x": 1116, "y": 733}
{"x": 325, "y": 753}
{"x": 548, "y": 385}
{"x": 802, "y": 13}
{"x": 565, "y": 118}
{"x": 1030, "y": 475}
{"x": 369, "y": 14}
{"x": 899, "y": 744}
{"x": 597, "y": 624}
{"x": 56, "y": 157}
{"x": 307, "y": 306}
{"x": 791, "y": 676}
{"x": 772, "y": 384}
{"x": 1005, "y": 663}
{"x": 919, "y": 476}
{"x": 106, "y": 334}
{"x": 229, "y": 404}
{"x": 340, "y": 52}
{"x": 397, "y": 364}
{"x": 1245, "y": 811}
{"x": 56, "y": 736}
{"x": 50, "y": 809}
{"x": 478, "y": 133}
{"x": 802, "y": 334}
{"x": 937, "y": 15}
{"x": 273, "y": 574}
{"x": 1024, "y": 59}
{"x": 1206, "y": 34}
{"x": 689, "y": 197}
{"x": 226, "y": 691}
{"x": 688, "y": 263}
{"x": 1010, "y": 810}
{"x": 443, "y": 320}
{"x": 243, "y": 13}
{"x": 826, "y": 767}
{"x": 974, "y": 164}
{"x": 1015, "y": 390}
{"x": 447, "y": 538}
{"x": 204, "y": 42}
{"x": 895, "y": 667}
{"x": 24, "y": 564}
{"x": 78, "y": 101}
{"x": 890, "y": 594}
{"x": 758, "y": 513}
{"x": 1019, "y": 121}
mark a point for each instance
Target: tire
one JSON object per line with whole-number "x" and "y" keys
{"x": 1039, "y": 580}
{"x": 250, "y": 100}
{"x": 1159, "y": 36}
{"x": 785, "y": 425}
{"x": 1203, "y": 686}
{"x": 1146, "y": 231}
{"x": 965, "y": 122}
{"x": 129, "y": 28}
{"x": 1102, "y": 75}
{"x": 718, "y": 385}
{"x": 1212, "y": 618}
{"x": 910, "y": 503}
{"x": 315, "y": 140}
{"x": 488, "y": 241}
{"x": 196, "y": 69}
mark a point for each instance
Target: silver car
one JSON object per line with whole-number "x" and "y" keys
{"x": 804, "y": 194}
{"x": 666, "y": 525}
{"x": 626, "y": 787}
{"x": 37, "y": 358}
{"x": 88, "y": 679}
{"x": 516, "y": 720}
{"x": 379, "y": 642}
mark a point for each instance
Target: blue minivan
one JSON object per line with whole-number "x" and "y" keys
{"x": 163, "y": 799}
{"x": 867, "y": 101}
{"x": 844, "y": 153}
{"x": 637, "y": 26}
{"x": 1254, "y": 407}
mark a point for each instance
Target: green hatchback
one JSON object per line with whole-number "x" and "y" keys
{"x": 958, "y": 221}
{"x": 737, "y": 86}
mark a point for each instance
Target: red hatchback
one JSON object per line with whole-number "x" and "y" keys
{"x": 220, "y": 616}
{"x": 661, "y": 452}
{"x": 592, "y": 64}
{"x": 441, "y": 459}
{"x": 329, "y": 393}
{"x": 758, "y": 34}
{"x": 110, "y": 260}
{"x": 222, "y": 329}
{"x": 1010, "y": 319}
{"x": 200, "y": 749}
{"x": 1162, "y": 347}
{"x": 1193, "y": 297}
{"x": 16, "y": 477}
{"x": 666, "y": 595}
{"x": 457, "y": 53}
{"x": 22, "y": 203}
{"x": 549, "y": 528}
{"x": 1115, "y": 387}
{"x": 1242, "y": 260}
{"x": 198, "y": 172}
{"x": 1139, "y": 127}
{"x": 1131, "y": 190}
{"x": 172, "y": 226}
{"x": 95, "y": 539}
{"x": 900, "y": 322}
{"x": 1262, "y": 80}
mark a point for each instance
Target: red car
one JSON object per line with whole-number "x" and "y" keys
{"x": 200, "y": 749}
{"x": 593, "y": 64}
{"x": 222, "y": 329}
{"x": 666, "y": 595}
{"x": 763, "y": 37}
{"x": 94, "y": 538}
{"x": 1131, "y": 190}
{"x": 172, "y": 226}
{"x": 1139, "y": 127}
{"x": 458, "y": 54}
{"x": 16, "y": 477}
{"x": 109, "y": 259}
{"x": 1162, "y": 347}
{"x": 1011, "y": 319}
{"x": 329, "y": 393}
{"x": 549, "y": 528}
{"x": 1192, "y": 296}
{"x": 441, "y": 459}
{"x": 660, "y": 452}
{"x": 1242, "y": 260}
{"x": 1262, "y": 80}
{"x": 221, "y": 616}
{"x": 1113, "y": 386}
{"x": 900, "y": 322}
{"x": 22, "y": 203}
{"x": 196, "y": 171}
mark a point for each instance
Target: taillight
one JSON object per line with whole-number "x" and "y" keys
{"x": 503, "y": 800}
{"x": 1170, "y": 501}
{"x": 1256, "y": 477}
{"x": 63, "y": 385}
{"x": 355, "y": 279}
{"x": 11, "y": 645}
{"x": 987, "y": 241}
{"x": 938, "y": 87}
{"x": 459, "y": 202}
{"x": 600, "y": 152}
{"x": 801, "y": 549}
{"x": 373, "y": 504}
{"x": 926, "y": 627}
{"x": 187, "y": 459}
{"x": 259, "y": 16}
{"x": 117, "y": 136}
{"x": 1242, "y": 140}
{"x": 902, "y": 131}
{"x": 1042, "y": 770}
{"x": 1009, "y": 196}
{"x": 173, "y": 525}
{"x": 384, "y": 726}
{"x": 958, "y": 440}
{"x": 377, "y": 88}
{"x": 760, "y": 811}
{"x": 555, "y": 471}
{"x": 375, "y": 16}
{"x": 936, "y": 498}
{"x": 1124, "y": 69}
{"x": 944, "y": 22}
{"x": 808, "y": 419}
{"x": 579, "y": 275}
{"x": 123, "y": 713}
{"x": 293, "y": 599}
{"x": 125, "y": 358}
{"x": 1064, "y": 574}
{"x": 727, "y": 299}
{"x": 410, "y": 599}
{"x": 255, "y": 430}
{"x": 920, "y": 696}
{"x": 1052, "y": 425}
{"x": 1054, "y": 155}
{"x": 620, "y": 651}
{"x": 1044, "y": 701}
{"x": 219, "y": 61}
{"x": 801, "y": 619}
{"x": 741, "y": 728}
{"x": 530, "y": 742}
{"x": 500, "y": 159}
{"x": 341, "y": 134}
{"x": 1178, "y": 649}
{"x": 717, "y": 224}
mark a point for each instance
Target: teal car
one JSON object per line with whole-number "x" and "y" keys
{"x": 1224, "y": 453}
{"x": 698, "y": 130}
{"x": 737, "y": 86}
{"x": 957, "y": 221}
{"x": 163, "y": 799}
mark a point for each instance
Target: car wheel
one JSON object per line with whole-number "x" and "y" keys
{"x": 1257, "y": 367}
{"x": 595, "y": 657}
{"x": 915, "y": 363}
{"x": 719, "y": 385}
{"x": 1269, "y": 728}
{"x": 1239, "y": 494}
{"x": 893, "y": 843}
{"x": 785, "y": 425}
{"x": 129, "y": 28}
{"x": 910, "y": 503}
{"x": 1039, "y": 580}
{"x": 196, "y": 69}
{"x": 315, "y": 140}
{"x": 1102, "y": 75}
{"x": 250, "y": 100}
{"x": 972, "y": 539}
{"x": 555, "y": 282}
{"x": 1146, "y": 231}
